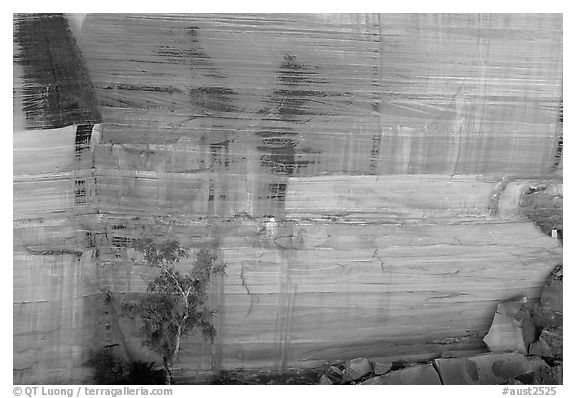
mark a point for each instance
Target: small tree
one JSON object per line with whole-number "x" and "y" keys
{"x": 175, "y": 303}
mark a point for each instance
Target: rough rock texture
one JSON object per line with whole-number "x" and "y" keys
{"x": 546, "y": 376}
{"x": 550, "y": 344}
{"x": 356, "y": 369}
{"x": 548, "y": 311}
{"x": 484, "y": 369}
{"x": 493, "y": 368}
{"x": 381, "y": 144}
{"x": 334, "y": 374}
{"x": 413, "y": 375}
{"x": 325, "y": 380}
{"x": 558, "y": 370}
{"x": 381, "y": 368}
{"x": 542, "y": 202}
{"x": 548, "y": 317}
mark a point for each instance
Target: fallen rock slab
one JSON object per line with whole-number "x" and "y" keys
{"x": 413, "y": 375}
{"x": 486, "y": 369}
{"x": 381, "y": 368}
{"x": 325, "y": 380}
{"x": 512, "y": 328}
{"x": 334, "y": 374}
{"x": 356, "y": 369}
{"x": 495, "y": 368}
{"x": 457, "y": 371}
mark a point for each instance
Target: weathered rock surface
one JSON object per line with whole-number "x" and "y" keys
{"x": 541, "y": 349}
{"x": 543, "y": 375}
{"x": 550, "y": 344}
{"x": 542, "y": 202}
{"x": 493, "y": 368}
{"x": 512, "y": 327}
{"x": 457, "y": 371}
{"x": 548, "y": 311}
{"x": 485, "y": 369}
{"x": 558, "y": 371}
{"x": 381, "y": 368}
{"x": 334, "y": 374}
{"x": 356, "y": 369}
{"x": 548, "y": 317}
{"x": 325, "y": 380}
{"x": 393, "y": 237}
{"x": 413, "y": 375}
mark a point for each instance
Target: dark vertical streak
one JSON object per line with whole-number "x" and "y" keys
{"x": 560, "y": 140}
{"x": 290, "y": 103}
{"x": 83, "y": 135}
{"x": 375, "y": 153}
{"x": 57, "y": 91}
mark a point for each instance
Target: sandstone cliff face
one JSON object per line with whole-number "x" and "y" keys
{"x": 382, "y": 146}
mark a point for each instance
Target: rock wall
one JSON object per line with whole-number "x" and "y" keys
{"x": 351, "y": 94}
{"x": 349, "y": 169}
{"x": 54, "y": 296}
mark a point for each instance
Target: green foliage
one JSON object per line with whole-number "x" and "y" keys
{"x": 175, "y": 302}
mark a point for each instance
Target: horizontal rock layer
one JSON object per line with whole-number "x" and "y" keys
{"x": 362, "y": 94}
{"x": 389, "y": 149}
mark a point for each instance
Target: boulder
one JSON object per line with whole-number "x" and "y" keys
{"x": 381, "y": 368}
{"x": 554, "y": 338}
{"x": 493, "y": 368}
{"x": 325, "y": 380}
{"x": 541, "y": 349}
{"x": 512, "y": 328}
{"x": 334, "y": 374}
{"x": 457, "y": 371}
{"x": 513, "y": 382}
{"x": 543, "y": 375}
{"x": 356, "y": 369}
{"x": 558, "y": 371}
{"x": 548, "y": 312}
{"x": 549, "y": 345}
{"x": 413, "y": 375}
